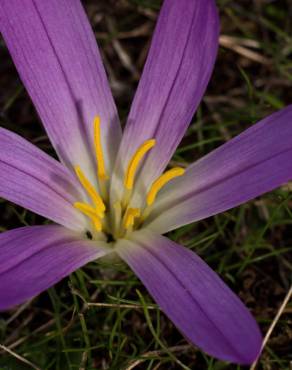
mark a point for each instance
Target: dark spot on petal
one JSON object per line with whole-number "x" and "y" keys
{"x": 88, "y": 235}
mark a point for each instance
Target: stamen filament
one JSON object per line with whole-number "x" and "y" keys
{"x": 98, "y": 150}
{"x": 135, "y": 161}
{"x": 146, "y": 212}
{"x": 130, "y": 216}
{"x": 98, "y": 202}
{"x": 117, "y": 218}
{"x": 89, "y": 212}
{"x": 161, "y": 181}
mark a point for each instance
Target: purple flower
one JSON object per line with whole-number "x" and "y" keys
{"x": 111, "y": 187}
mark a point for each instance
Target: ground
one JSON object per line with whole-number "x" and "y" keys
{"x": 102, "y": 317}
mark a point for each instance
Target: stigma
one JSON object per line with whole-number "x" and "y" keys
{"x": 119, "y": 220}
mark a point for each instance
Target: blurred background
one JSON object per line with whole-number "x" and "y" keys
{"x": 95, "y": 319}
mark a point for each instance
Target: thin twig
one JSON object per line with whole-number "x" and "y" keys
{"x": 23, "y": 339}
{"x": 16, "y": 331}
{"x": 151, "y": 354}
{"x": 240, "y": 41}
{"x": 141, "y": 31}
{"x": 20, "y": 358}
{"x": 123, "y": 55}
{"x": 118, "y": 305}
{"x": 84, "y": 360}
{"x": 274, "y": 323}
{"x": 18, "y": 312}
{"x": 232, "y": 44}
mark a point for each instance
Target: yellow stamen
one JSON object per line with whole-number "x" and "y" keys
{"x": 130, "y": 216}
{"x": 161, "y": 181}
{"x": 98, "y": 203}
{"x": 89, "y": 212}
{"x": 98, "y": 150}
{"x": 134, "y": 163}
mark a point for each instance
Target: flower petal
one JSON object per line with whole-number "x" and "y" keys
{"x": 34, "y": 180}
{"x": 55, "y": 53}
{"x": 253, "y": 163}
{"x": 177, "y": 71}
{"x": 32, "y": 259}
{"x": 193, "y": 296}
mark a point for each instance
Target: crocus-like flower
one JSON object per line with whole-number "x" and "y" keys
{"x": 109, "y": 193}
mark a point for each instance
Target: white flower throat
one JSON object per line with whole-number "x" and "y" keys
{"x": 119, "y": 220}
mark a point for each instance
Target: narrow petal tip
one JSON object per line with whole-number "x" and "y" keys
{"x": 194, "y": 298}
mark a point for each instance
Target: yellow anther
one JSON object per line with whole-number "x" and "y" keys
{"x": 130, "y": 216}
{"x": 98, "y": 150}
{"x": 134, "y": 163}
{"x": 98, "y": 203}
{"x": 89, "y": 212}
{"x": 161, "y": 181}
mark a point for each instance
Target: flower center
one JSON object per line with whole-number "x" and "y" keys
{"x": 122, "y": 219}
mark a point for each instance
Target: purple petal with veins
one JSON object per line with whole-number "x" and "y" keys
{"x": 55, "y": 53}
{"x": 35, "y": 258}
{"x": 36, "y": 181}
{"x": 253, "y": 163}
{"x": 175, "y": 77}
{"x": 193, "y": 296}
